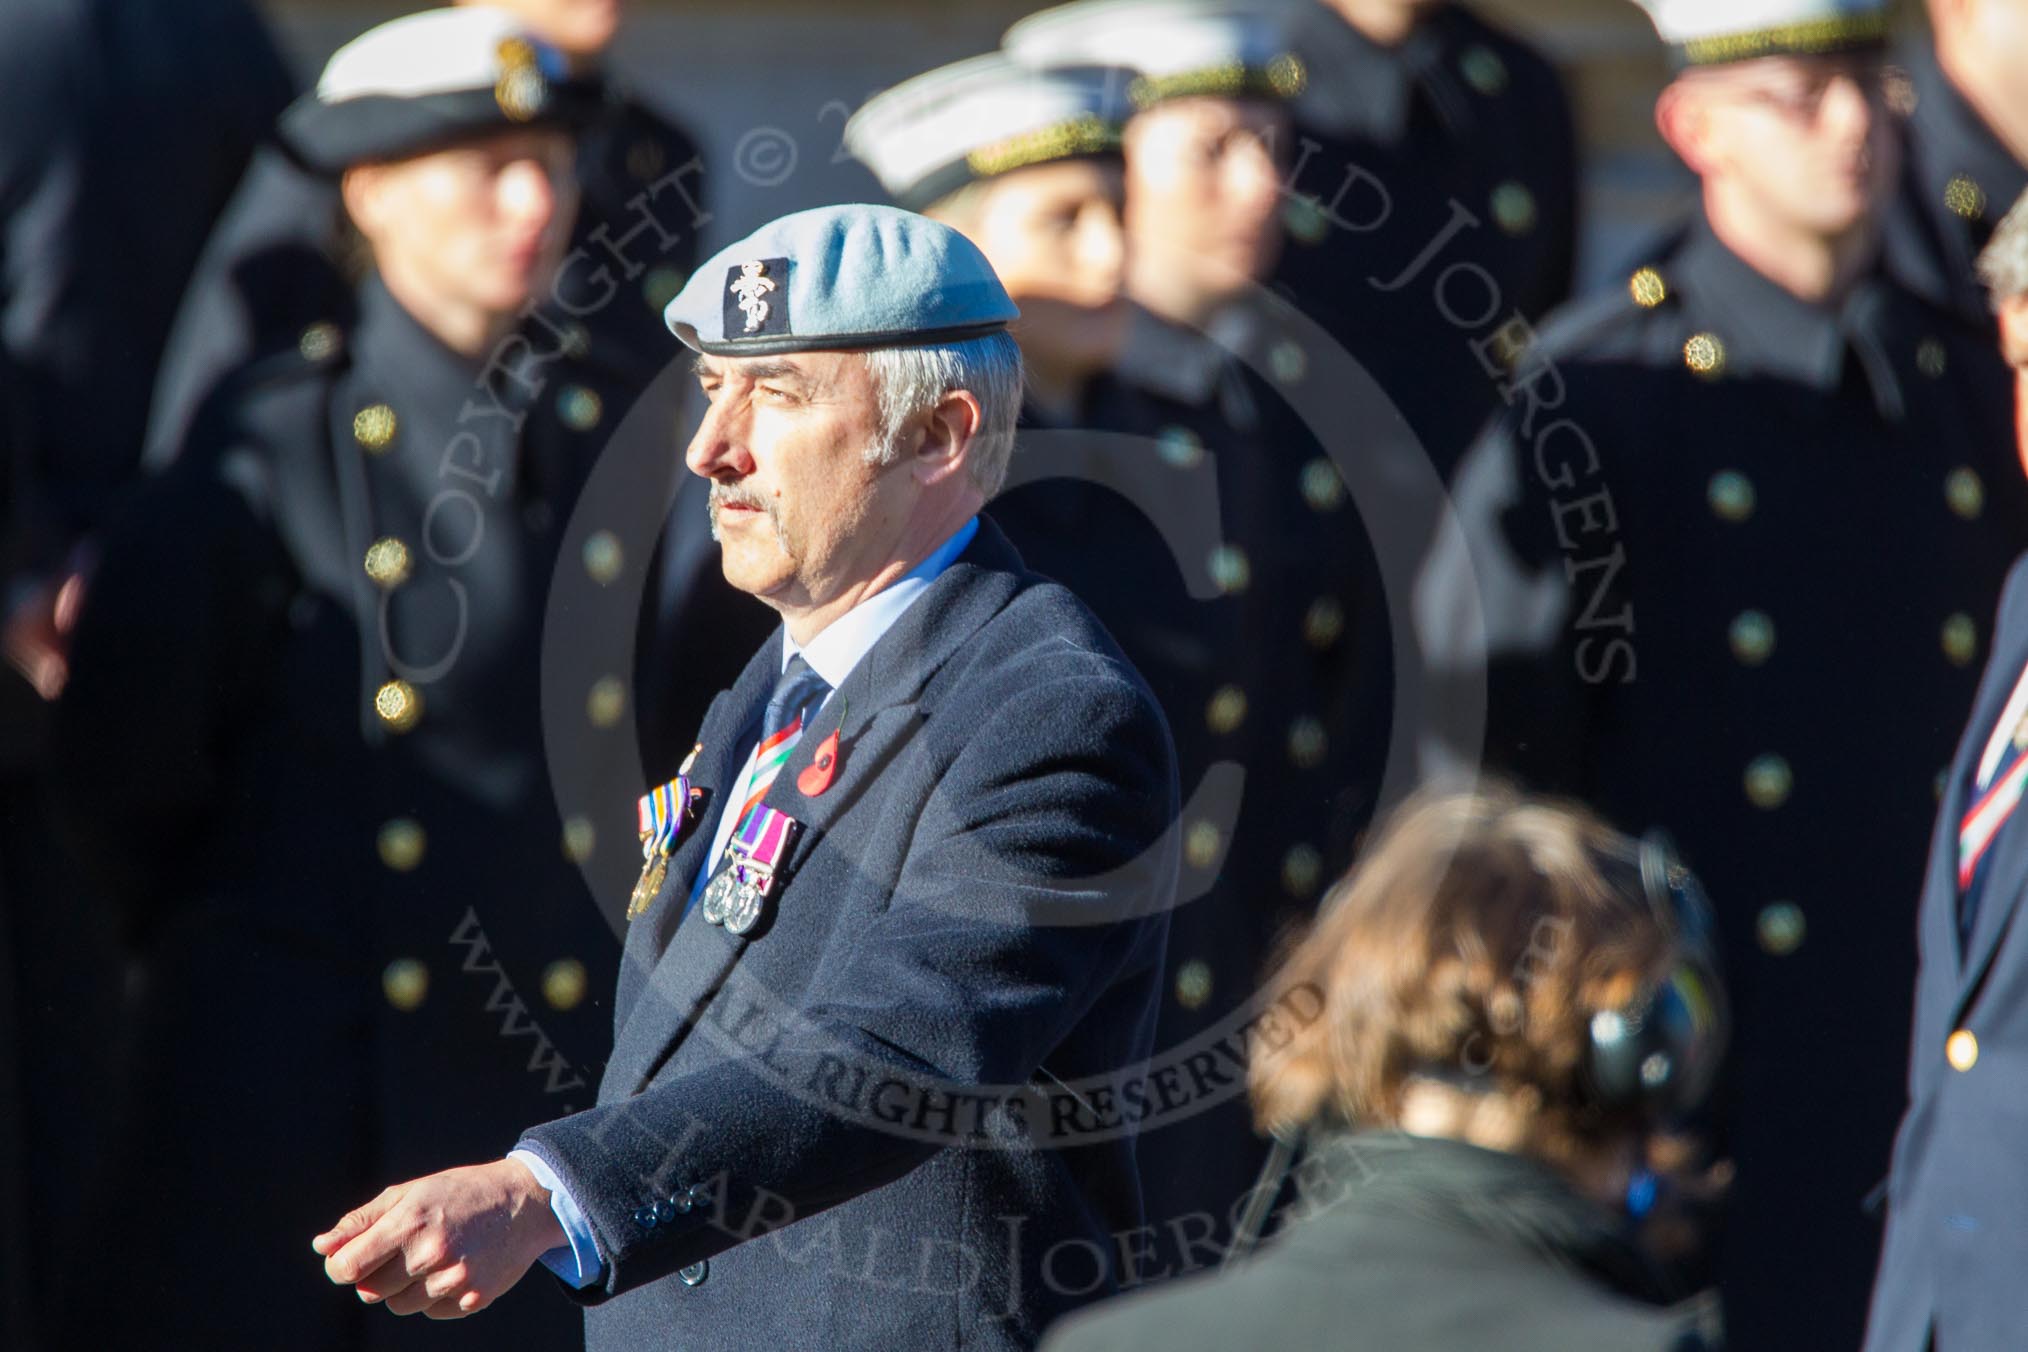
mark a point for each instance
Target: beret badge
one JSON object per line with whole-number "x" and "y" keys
{"x": 756, "y": 303}
{"x": 520, "y": 90}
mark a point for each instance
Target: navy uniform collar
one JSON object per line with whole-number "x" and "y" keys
{"x": 1191, "y": 366}
{"x": 1360, "y": 88}
{"x": 395, "y": 351}
{"x": 1768, "y": 330}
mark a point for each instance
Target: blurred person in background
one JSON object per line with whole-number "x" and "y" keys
{"x": 1026, "y": 162}
{"x": 123, "y": 127}
{"x": 279, "y": 270}
{"x": 1301, "y": 697}
{"x": 1967, "y": 148}
{"x": 1957, "y": 1195}
{"x": 302, "y": 747}
{"x": 1427, "y": 138}
{"x": 1509, "y": 999}
{"x": 277, "y": 262}
{"x": 1691, "y": 614}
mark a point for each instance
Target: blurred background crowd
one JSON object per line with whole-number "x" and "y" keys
{"x": 1412, "y": 387}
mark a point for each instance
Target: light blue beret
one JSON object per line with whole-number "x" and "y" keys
{"x": 841, "y": 277}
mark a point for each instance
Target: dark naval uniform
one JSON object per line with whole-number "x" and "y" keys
{"x": 123, "y": 128}
{"x": 102, "y": 222}
{"x": 1127, "y": 513}
{"x": 1433, "y": 199}
{"x": 1298, "y": 700}
{"x": 270, "y": 275}
{"x": 306, "y": 739}
{"x": 272, "y": 265}
{"x": 1958, "y": 181}
{"x": 1737, "y": 557}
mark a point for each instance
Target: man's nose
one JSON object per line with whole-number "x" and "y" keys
{"x": 719, "y": 449}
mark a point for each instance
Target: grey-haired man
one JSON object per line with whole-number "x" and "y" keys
{"x": 1957, "y": 1196}
{"x": 900, "y": 921}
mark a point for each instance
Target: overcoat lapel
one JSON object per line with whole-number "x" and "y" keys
{"x": 723, "y": 737}
{"x": 2008, "y": 870}
{"x": 875, "y": 713}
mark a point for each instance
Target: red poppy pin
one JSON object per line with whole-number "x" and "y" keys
{"x": 818, "y": 774}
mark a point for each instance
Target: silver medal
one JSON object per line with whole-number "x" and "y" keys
{"x": 717, "y": 893}
{"x": 743, "y": 911}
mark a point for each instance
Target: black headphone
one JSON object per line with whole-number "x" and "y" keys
{"x": 1660, "y": 1052}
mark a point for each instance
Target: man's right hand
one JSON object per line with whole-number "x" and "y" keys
{"x": 36, "y": 637}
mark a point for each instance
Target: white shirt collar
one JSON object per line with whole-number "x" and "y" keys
{"x": 835, "y": 652}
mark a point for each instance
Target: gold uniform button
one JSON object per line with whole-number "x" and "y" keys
{"x": 1965, "y": 491}
{"x": 603, "y": 557}
{"x": 1514, "y": 208}
{"x": 1226, "y": 710}
{"x": 1308, "y": 743}
{"x": 580, "y": 837}
{"x": 1288, "y": 362}
{"x": 1302, "y": 869}
{"x": 1780, "y": 928}
{"x": 1931, "y": 358}
{"x": 1509, "y": 347}
{"x": 399, "y": 704}
{"x": 1753, "y": 637}
{"x": 1193, "y": 984}
{"x": 1483, "y": 70}
{"x": 580, "y": 408}
{"x": 1322, "y": 488}
{"x": 388, "y": 562}
{"x": 406, "y": 984}
{"x": 564, "y": 983}
{"x": 1704, "y": 354}
{"x": 662, "y": 285}
{"x": 1305, "y": 220}
{"x": 1287, "y": 76}
{"x": 646, "y": 159}
{"x": 1201, "y": 844}
{"x": 1230, "y": 569}
{"x": 319, "y": 341}
{"x": 1964, "y": 197}
{"x": 1648, "y": 289}
{"x": 401, "y": 844}
{"x": 1769, "y": 781}
{"x": 1179, "y": 447}
{"x": 1323, "y": 622}
{"x": 576, "y": 340}
{"x": 1960, "y": 640}
{"x": 1902, "y": 95}
{"x": 1731, "y": 496}
{"x": 1961, "y": 1049}
{"x": 607, "y": 702}
{"x": 373, "y": 427}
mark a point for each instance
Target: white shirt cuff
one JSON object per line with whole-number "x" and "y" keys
{"x": 578, "y": 1262}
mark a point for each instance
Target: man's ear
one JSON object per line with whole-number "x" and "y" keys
{"x": 949, "y": 431}
{"x": 1683, "y": 116}
{"x": 360, "y": 191}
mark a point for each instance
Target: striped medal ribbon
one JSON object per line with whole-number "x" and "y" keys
{"x": 768, "y": 759}
{"x": 662, "y": 815}
{"x": 2002, "y": 776}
